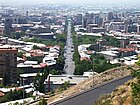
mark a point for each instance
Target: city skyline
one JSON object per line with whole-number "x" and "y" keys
{"x": 25, "y": 2}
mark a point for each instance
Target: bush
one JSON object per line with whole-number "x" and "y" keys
{"x": 13, "y": 95}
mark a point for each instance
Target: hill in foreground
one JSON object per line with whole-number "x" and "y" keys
{"x": 127, "y": 94}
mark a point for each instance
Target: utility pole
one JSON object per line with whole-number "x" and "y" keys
{"x": 92, "y": 63}
{"x": 23, "y": 91}
{"x": 93, "y": 72}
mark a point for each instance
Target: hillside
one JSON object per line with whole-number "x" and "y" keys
{"x": 121, "y": 96}
{"x": 98, "y": 79}
{"x": 127, "y": 94}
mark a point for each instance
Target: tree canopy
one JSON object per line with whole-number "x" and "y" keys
{"x": 39, "y": 81}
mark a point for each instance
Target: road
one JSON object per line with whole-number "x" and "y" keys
{"x": 69, "y": 50}
{"x": 90, "y": 96}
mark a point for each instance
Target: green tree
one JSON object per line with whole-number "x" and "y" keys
{"x": 55, "y": 72}
{"x": 65, "y": 86}
{"x": 136, "y": 88}
{"x": 19, "y": 71}
{"x": 20, "y": 54}
{"x": 100, "y": 64}
{"x": 43, "y": 102}
{"x": 13, "y": 95}
{"x": 35, "y": 58}
{"x": 39, "y": 81}
{"x": 78, "y": 70}
{"x": 112, "y": 41}
{"x": 138, "y": 63}
{"x": 76, "y": 57}
{"x": 35, "y": 47}
{"x": 16, "y": 35}
{"x": 60, "y": 62}
{"x": 82, "y": 67}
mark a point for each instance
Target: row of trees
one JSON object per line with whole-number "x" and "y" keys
{"x": 55, "y": 70}
{"x": 88, "y": 39}
{"x": 15, "y": 35}
{"x": 39, "y": 81}
{"x": 96, "y": 62}
{"x": 59, "y": 39}
{"x": 100, "y": 64}
{"x": 111, "y": 41}
{"x": 13, "y": 95}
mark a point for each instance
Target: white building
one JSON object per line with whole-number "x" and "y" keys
{"x": 55, "y": 81}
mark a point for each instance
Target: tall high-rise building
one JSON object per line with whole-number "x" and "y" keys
{"x": 8, "y": 25}
{"x": 8, "y": 65}
{"x": 110, "y": 16}
{"x": 27, "y": 13}
{"x": 78, "y": 19}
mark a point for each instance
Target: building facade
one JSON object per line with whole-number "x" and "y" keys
{"x": 8, "y": 26}
{"x": 8, "y": 65}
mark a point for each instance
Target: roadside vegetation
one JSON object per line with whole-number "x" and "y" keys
{"x": 14, "y": 95}
{"x": 99, "y": 79}
{"x": 111, "y": 41}
{"x": 127, "y": 94}
{"x": 97, "y": 62}
{"x": 15, "y": 35}
{"x": 59, "y": 39}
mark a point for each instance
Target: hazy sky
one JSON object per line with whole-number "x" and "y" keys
{"x": 23, "y": 2}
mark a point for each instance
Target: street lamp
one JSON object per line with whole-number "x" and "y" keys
{"x": 23, "y": 90}
{"x": 93, "y": 72}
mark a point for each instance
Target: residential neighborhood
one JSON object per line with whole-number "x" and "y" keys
{"x": 50, "y": 50}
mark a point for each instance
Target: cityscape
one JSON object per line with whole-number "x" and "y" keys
{"x": 70, "y": 53}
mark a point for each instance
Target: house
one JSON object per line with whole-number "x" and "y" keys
{"x": 49, "y": 60}
{"x": 36, "y": 53}
{"x": 124, "y": 52}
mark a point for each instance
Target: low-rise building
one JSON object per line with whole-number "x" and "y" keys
{"x": 109, "y": 55}
{"x": 42, "y": 35}
{"x": 2, "y": 29}
{"x": 98, "y": 30}
{"x": 29, "y": 68}
{"x": 49, "y": 61}
{"x": 36, "y": 53}
{"x": 56, "y": 81}
{"x": 124, "y": 52}
{"x": 117, "y": 26}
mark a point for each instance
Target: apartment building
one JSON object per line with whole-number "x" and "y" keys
{"x": 8, "y": 64}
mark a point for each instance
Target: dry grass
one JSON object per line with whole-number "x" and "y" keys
{"x": 120, "y": 96}
{"x": 99, "y": 79}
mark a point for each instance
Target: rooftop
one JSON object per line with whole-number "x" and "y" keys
{"x": 29, "y": 75}
{"x": 10, "y": 49}
{"x": 60, "y": 79}
{"x": 111, "y": 53}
